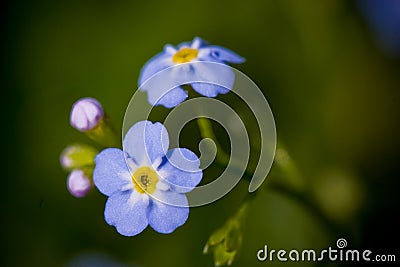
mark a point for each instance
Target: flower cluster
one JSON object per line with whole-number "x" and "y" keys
{"x": 79, "y": 160}
{"x": 146, "y": 184}
{"x": 86, "y": 116}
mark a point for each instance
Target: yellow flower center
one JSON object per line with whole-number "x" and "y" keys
{"x": 185, "y": 55}
{"x": 145, "y": 180}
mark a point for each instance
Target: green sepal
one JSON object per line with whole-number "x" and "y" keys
{"x": 78, "y": 156}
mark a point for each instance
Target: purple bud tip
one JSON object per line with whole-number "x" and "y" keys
{"x": 78, "y": 184}
{"x": 65, "y": 161}
{"x": 86, "y": 114}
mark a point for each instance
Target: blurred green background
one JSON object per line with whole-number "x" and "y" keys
{"x": 333, "y": 91}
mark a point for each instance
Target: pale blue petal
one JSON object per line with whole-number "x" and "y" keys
{"x": 146, "y": 141}
{"x": 223, "y": 54}
{"x": 216, "y": 73}
{"x": 169, "y": 49}
{"x": 157, "y": 63}
{"x": 180, "y": 170}
{"x": 165, "y": 218}
{"x": 111, "y": 171}
{"x": 188, "y": 73}
{"x": 198, "y": 43}
{"x": 221, "y": 76}
{"x": 209, "y": 90}
{"x": 127, "y": 211}
{"x": 169, "y": 99}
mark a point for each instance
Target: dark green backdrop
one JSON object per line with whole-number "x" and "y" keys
{"x": 334, "y": 94}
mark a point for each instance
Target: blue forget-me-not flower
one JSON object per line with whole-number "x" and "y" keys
{"x": 195, "y": 51}
{"x": 146, "y": 184}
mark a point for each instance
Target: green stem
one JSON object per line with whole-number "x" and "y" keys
{"x": 292, "y": 192}
{"x": 104, "y": 134}
{"x": 206, "y": 131}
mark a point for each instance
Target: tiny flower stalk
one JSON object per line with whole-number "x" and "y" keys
{"x": 206, "y": 131}
{"x": 226, "y": 241}
{"x": 104, "y": 133}
{"x": 88, "y": 116}
{"x": 290, "y": 175}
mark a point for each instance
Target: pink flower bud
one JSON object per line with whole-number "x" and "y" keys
{"x": 86, "y": 114}
{"x": 78, "y": 183}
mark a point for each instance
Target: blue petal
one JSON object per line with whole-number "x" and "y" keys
{"x": 169, "y": 49}
{"x": 181, "y": 170}
{"x": 169, "y": 99}
{"x": 155, "y": 64}
{"x": 221, "y": 76}
{"x": 216, "y": 73}
{"x": 225, "y": 55}
{"x": 198, "y": 43}
{"x": 146, "y": 141}
{"x": 209, "y": 90}
{"x": 165, "y": 218}
{"x": 188, "y": 73}
{"x": 127, "y": 211}
{"x": 111, "y": 171}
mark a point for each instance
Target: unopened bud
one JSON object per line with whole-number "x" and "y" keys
{"x": 226, "y": 241}
{"x": 78, "y": 183}
{"x": 77, "y": 156}
{"x": 86, "y": 114}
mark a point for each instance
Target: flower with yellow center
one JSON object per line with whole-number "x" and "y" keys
{"x": 145, "y": 180}
{"x": 143, "y": 186}
{"x": 193, "y": 54}
{"x": 184, "y": 55}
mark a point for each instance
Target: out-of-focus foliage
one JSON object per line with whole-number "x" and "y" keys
{"x": 335, "y": 96}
